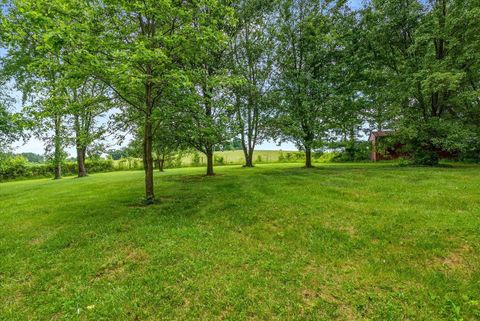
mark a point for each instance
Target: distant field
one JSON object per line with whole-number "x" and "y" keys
{"x": 338, "y": 242}
{"x": 235, "y": 157}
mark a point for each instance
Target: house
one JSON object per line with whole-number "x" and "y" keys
{"x": 396, "y": 150}
{"x": 384, "y": 153}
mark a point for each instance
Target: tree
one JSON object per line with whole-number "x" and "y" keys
{"x": 426, "y": 71}
{"x": 208, "y": 114}
{"x": 47, "y": 120}
{"x": 166, "y": 143}
{"x": 253, "y": 53}
{"x": 88, "y": 100}
{"x": 33, "y": 158}
{"x": 307, "y": 71}
{"x": 348, "y": 115}
{"x": 142, "y": 45}
{"x": 39, "y": 58}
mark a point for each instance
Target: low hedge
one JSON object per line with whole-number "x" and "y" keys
{"x": 17, "y": 167}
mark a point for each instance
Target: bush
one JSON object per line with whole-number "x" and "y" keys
{"x": 351, "y": 151}
{"x": 96, "y": 166}
{"x": 17, "y": 167}
{"x": 329, "y": 157}
{"x": 174, "y": 161}
{"x": 218, "y": 160}
{"x": 14, "y": 166}
{"x": 196, "y": 161}
{"x": 425, "y": 157}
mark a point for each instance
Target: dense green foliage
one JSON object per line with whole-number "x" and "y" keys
{"x": 17, "y": 167}
{"x": 423, "y": 69}
{"x": 368, "y": 242}
{"x": 10, "y": 128}
{"x": 33, "y": 158}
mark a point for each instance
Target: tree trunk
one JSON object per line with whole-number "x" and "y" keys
{"x": 148, "y": 162}
{"x": 308, "y": 157}
{"x": 82, "y": 170}
{"x": 248, "y": 153}
{"x": 58, "y": 171}
{"x": 352, "y": 143}
{"x": 160, "y": 164}
{"x": 249, "y": 162}
{"x": 209, "y": 154}
{"x": 58, "y": 147}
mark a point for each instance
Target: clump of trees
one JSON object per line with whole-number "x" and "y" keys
{"x": 422, "y": 68}
{"x": 182, "y": 75}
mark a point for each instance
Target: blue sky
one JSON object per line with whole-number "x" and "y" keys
{"x": 356, "y": 4}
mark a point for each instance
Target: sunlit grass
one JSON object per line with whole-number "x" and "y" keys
{"x": 346, "y": 242}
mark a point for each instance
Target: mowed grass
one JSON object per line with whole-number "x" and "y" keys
{"x": 340, "y": 242}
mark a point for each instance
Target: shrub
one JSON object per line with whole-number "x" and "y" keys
{"x": 14, "y": 166}
{"x": 196, "y": 161}
{"x": 218, "y": 160}
{"x": 17, "y": 167}
{"x": 329, "y": 157}
{"x": 425, "y": 157}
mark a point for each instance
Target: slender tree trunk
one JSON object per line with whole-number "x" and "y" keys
{"x": 308, "y": 157}
{"x": 58, "y": 147}
{"x": 249, "y": 158}
{"x": 148, "y": 161}
{"x": 58, "y": 171}
{"x": 352, "y": 143}
{"x": 245, "y": 154}
{"x": 82, "y": 170}
{"x": 248, "y": 153}
{"x": 160, "y": 163}
{"x": 209, "y": 154}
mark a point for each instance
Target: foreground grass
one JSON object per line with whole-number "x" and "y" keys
{"x": 346, "y": 242}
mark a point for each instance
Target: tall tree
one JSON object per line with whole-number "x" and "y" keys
{"x": 253, "y": 53}
{"x": 47, "y": 111}
{"x": 136, "y": 48}
{"x": 209, "y": 113}
{"x": 307, "y": 71}
{"x": 88, "y": 100}
{"x": 347, "y": 81}
{"x": 39, "y": 59}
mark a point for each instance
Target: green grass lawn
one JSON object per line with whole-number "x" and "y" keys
{"x": 344, "y": 242}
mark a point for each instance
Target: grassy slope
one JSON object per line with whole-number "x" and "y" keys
{"x": 343, "y": 242}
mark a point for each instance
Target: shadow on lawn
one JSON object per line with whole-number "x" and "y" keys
{"x": 185, "y": 194}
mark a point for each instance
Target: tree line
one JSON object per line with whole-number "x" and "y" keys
{"x": 199, "y": 73}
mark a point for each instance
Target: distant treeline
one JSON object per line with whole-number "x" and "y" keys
{"x": 27, "y": 165}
